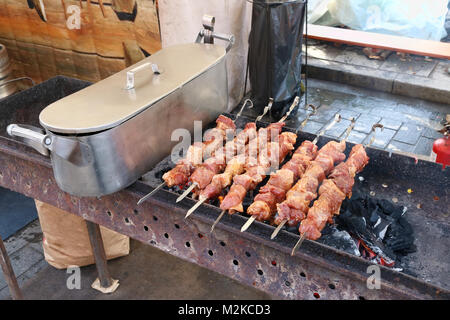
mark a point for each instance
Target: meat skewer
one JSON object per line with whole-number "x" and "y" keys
{"x": 274, "y": 192}
{"x": 333, "y": 191}
{"x": 294, "y": 208}
{"x": 203, "y": 174}
{"x": 185, "y": 166}
{"x": 248, "y": 164}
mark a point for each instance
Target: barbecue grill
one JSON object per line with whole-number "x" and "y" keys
{"x": 317, "y": 271}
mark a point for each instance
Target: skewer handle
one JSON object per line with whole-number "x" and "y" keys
{"x": 293, "y": 105}
{"x": 349, "y": 129}
{"x": 372, "y": 139}
{"x": 151, "y": 193}
{"x": 243, "y": 107}
{"x": 337, "y": 118}
{"x": 266, "y": 109}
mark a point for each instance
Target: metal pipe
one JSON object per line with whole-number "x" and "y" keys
{"x": 98, "y": 249}
{"x": 8, "y": 273}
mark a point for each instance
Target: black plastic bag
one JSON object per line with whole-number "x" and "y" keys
{"x": 275, "y": 52}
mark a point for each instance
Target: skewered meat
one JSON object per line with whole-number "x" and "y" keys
{"x": 256, "y": 170}
{"x": 179, "y": 175}
{"x": 298, "y": 198}
{"x": 332, "y": 192}
{"x": 210, "y": 182}
{"x": 274, "y": 192}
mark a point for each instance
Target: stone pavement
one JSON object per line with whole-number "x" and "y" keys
{"x": 410, "y": 75}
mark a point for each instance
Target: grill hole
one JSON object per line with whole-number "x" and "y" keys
{"x": 109, "y": 213}
{"x": 235, "y": 262}
{"x": 200, "y": 235}
{"x": 188, "y": 244}
{"x": 155, "y": 218}
{"x": 136, "y": 212}
{"x": 332, "y": 286}
{"x": 303, "y": 274}
{"x": 248, "y": 254}
{"x": 287, "y": 283}
{"x": 274, "y": 263}
{"x": 260, "y": 272}
{"x": 177, "y": 226}
{"x": 152, "y": 242}
{"x": 361, "y": 298}
{"x": 126, "y": 220}
{"x": 222, "y": 244}
{"x": 145, "y": 228}
{"x": 316, "y": 295}
{"x": 166, "y": 235}
{"x": 210, "y": 253}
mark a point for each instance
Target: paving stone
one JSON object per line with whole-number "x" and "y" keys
{"x": 391, "y": 123}
{"x": 365, "y": 123}
{"x": 432, "y": 133}
{"x": 21, "y": 261}
{"x": 424, "y": 146}
{"x": 356, "y": 137}
{"x": 382, "y": 138}
{"x": 422, "y": 88}
{"x": 409, "y": 133}
{"x": 416, "y": 112}
{"x": 441, "y": 72}
{"x": 400, "y": 146}
{"x": 322, "y": 51}
{"x": 345, "y": 110}
{"x": 412, "y": 66}
{"x": 351, "y": 74}
{"x": 358, "y": 58}
{"x": 313, "y": 127}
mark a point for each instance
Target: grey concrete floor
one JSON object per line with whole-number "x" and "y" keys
{"x": 147, "y": 273}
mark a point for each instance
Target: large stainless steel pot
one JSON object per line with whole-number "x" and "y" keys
{"x": 104, "y": 137}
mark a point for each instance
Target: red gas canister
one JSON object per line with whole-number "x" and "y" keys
{"x": 442, "y": 149}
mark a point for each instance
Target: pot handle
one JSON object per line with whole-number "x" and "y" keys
{"x": 31, "y": 136}
{"x": 208, "y": 33}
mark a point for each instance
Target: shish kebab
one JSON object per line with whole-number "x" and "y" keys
{"x": 238, "y": 164}
{"x": 179, "y": 175}
{"x": 305, "y": 162}
{"x": 333, "y": 191}
{"x": 203, "y": 173}
{"x": 214, "y": 189}
{"x": 293, "y": 209}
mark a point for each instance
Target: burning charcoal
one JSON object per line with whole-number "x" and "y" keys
{"x": 340, "y": 240}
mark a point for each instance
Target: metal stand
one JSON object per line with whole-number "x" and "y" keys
{"x": 99, "y": 254}
{"x": 8, "y": 272}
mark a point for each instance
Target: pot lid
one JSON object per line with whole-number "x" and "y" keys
{"x": 108, "y": 102}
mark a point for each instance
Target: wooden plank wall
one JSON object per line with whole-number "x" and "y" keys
{"x": 112, "y": 35}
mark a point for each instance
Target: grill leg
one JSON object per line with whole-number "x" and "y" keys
{"x": 99, "y": 254}
{"x": 8, "y": 272}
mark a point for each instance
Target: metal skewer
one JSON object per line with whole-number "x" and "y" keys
{"x": 248, "y": 223}
{"x": 199, "y": 202}
{"x": 217, "y": 220}
{"x": 164, "y": 183}
{"x": 372, "y": 139}
{"x": 151, "y": 193}
{"x": 347, "y": 133}
{"x": 187, "y": 191}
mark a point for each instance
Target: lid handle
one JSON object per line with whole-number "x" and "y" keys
{"x": 131, "y": 73}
